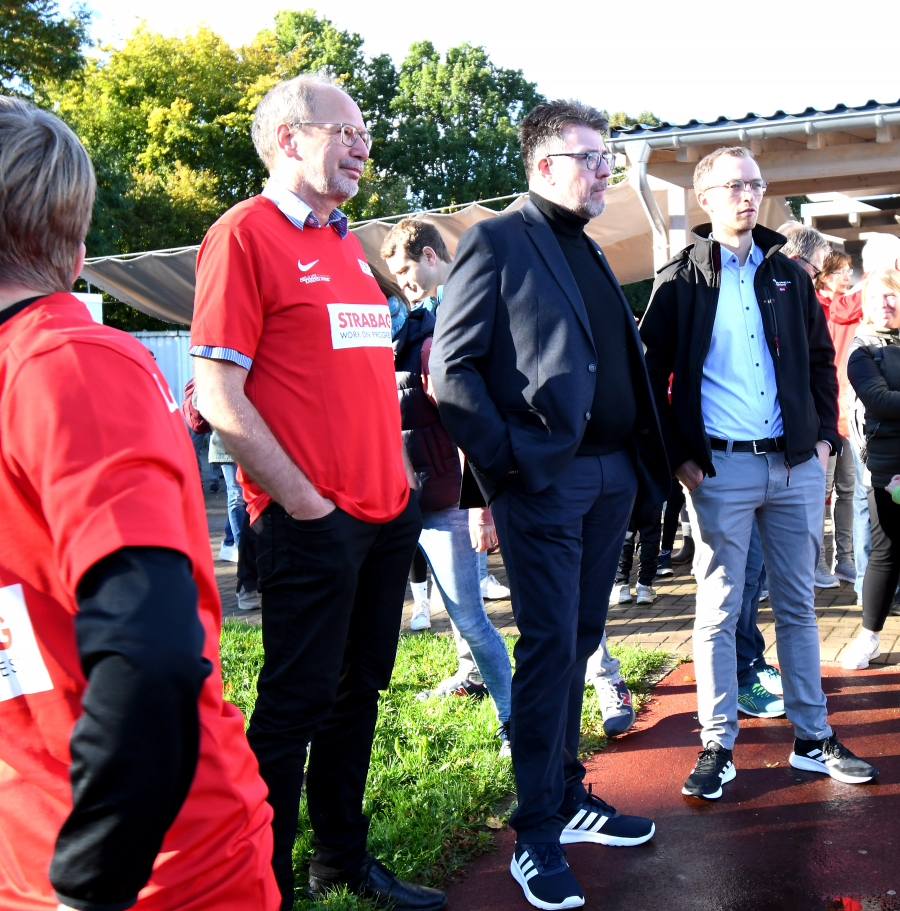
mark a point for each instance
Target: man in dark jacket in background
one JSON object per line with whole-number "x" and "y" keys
{"x": 540, "y": 380}
{"x": 752, "y": 420}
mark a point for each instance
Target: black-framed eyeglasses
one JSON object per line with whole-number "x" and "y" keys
{"x": 349, "y": 133}
{"x": 817, "y": 272}
{"x": 591, "y": 159}
{"x": 738, "y": 187}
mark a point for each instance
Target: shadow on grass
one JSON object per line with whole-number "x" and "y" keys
{"x": 437, "y": 785}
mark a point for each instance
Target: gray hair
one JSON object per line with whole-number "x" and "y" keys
{"x": 705, "y": 165}
{"x": 541, "y": 129}
{"x": 881, "y": 252}
{"x": 802, "y": 241}
{"x": 289, "y": 101}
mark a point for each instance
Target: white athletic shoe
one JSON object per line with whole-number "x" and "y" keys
{"x": 625, "y": 595}
{"x": 646, "y": 594}
{"x": 421, "y": 616}
{"x": 864, "y": 648}
{"x": 492, "y": 590}
{"x": 229, "y": 553}
{"x": 249, "y": 600}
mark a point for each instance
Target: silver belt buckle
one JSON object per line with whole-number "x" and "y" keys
{"x": 755, "y": 452}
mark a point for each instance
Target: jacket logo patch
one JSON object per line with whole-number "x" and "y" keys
{"x": 312, "y": 279}
{"x": 305, "y": 267}
{"x": 22, "y": 669}
{"x": 360, "y": 325}
{"x": 367, "y": 269}
{"x": 782, "y": 286}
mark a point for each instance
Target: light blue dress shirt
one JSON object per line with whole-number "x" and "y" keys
{"x": 301, "y": 216}
{"x": 739, "y": 396}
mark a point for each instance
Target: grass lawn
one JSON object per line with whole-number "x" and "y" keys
{"x": 437, "y": 784}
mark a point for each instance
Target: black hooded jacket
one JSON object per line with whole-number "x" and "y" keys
{"x": 677, "y": 330}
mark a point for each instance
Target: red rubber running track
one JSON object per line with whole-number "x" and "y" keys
{"x": 777, "y": 840}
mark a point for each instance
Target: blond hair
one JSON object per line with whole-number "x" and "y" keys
{"x": 705, "y": 165}
{"x": 889, "y": 278}
{"x": 47, "y": 188}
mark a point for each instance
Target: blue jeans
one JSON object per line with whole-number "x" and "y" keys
{"x": 447, "y": 547}
{"x": 862, "y": 529}
{"x": 235, "y": 500}
{"x": 749, "y": 642}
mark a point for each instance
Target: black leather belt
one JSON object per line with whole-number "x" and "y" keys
{"x": 757, "y": 447}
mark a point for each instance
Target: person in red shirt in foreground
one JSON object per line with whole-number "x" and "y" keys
{"x": 294, "y": 365}
{"x": 125, "y": 779}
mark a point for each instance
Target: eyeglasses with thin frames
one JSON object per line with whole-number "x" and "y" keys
{"x": 349, "y": 133}
{"x": 739, "y": 187}
{"x": 817, "y": 272}
{"x": 591, "y": 159}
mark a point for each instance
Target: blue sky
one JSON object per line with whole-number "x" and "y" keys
{"x": 678, "y": 59}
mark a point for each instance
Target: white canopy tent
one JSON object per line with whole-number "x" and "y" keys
{"x": 161, "y": 282}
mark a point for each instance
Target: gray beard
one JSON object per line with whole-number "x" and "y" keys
{"x": 342, "y": 188}
{"x": 590, "y": 209}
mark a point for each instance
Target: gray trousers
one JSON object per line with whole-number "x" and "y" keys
{"x": 790, "y": 525}
{"x": 840, "y": 479}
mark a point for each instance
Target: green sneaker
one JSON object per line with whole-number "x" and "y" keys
{"x": 756, "y": 700}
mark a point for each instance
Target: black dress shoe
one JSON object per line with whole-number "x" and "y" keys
{"x": 383, "y": 888}
{"x": 686, "y": 554}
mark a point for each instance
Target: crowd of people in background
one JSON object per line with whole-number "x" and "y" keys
{"x": 511, "y": 401}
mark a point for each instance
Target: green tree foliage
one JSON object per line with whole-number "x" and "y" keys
{"x": 456, "y": 119}
{"x": 167, "y": 119}
{"x": 621, "y": 119}
{"x": 37, "y": 45}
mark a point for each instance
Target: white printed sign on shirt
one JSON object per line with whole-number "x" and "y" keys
{"x": 360, "y": 325}
{"x": 22, "y": 669}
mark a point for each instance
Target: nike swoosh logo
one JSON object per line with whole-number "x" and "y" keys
{"x": 307, "y": 267}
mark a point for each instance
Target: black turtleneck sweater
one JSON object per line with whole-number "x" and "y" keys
{"x": 614, "y": 409}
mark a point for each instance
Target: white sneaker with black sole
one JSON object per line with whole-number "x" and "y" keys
{"x": 542, "y": 872}
{"x": 595, "y": 821}
{"x": 831, "y": 757}
{"x": 714, "y": 768}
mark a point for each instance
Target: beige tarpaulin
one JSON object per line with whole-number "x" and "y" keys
{"x": 161, "y": 283}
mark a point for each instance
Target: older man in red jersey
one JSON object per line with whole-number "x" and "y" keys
{"x": 295, "y": 370}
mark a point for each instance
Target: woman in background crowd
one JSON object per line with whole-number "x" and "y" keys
{"x": 831, "y": 284}
{"x": 874, "y": 372}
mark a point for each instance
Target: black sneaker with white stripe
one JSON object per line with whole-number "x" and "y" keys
{"x": 715, "y": 767}
{"x": 542, "y": 872}
{"x": 596, "y": 821}
{"x": 832, "y": 758}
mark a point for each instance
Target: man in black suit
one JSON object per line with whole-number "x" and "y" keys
{"x": 540, "y": 379}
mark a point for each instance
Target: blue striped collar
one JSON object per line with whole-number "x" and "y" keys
{"x": 298, "y": 213}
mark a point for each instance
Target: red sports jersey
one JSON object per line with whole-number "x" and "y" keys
{"x": 304, "y": 306}
{"x": 94, "y": 456}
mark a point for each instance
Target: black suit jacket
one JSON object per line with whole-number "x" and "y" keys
{"x": 513, "y": 356}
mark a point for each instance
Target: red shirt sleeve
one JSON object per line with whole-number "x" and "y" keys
{"x": 101, "y": 450}
{"x": 228, "y": 309}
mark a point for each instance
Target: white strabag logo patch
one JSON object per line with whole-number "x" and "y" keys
{"x": 22, "y": 669}
{"x": 360, "y": 325}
